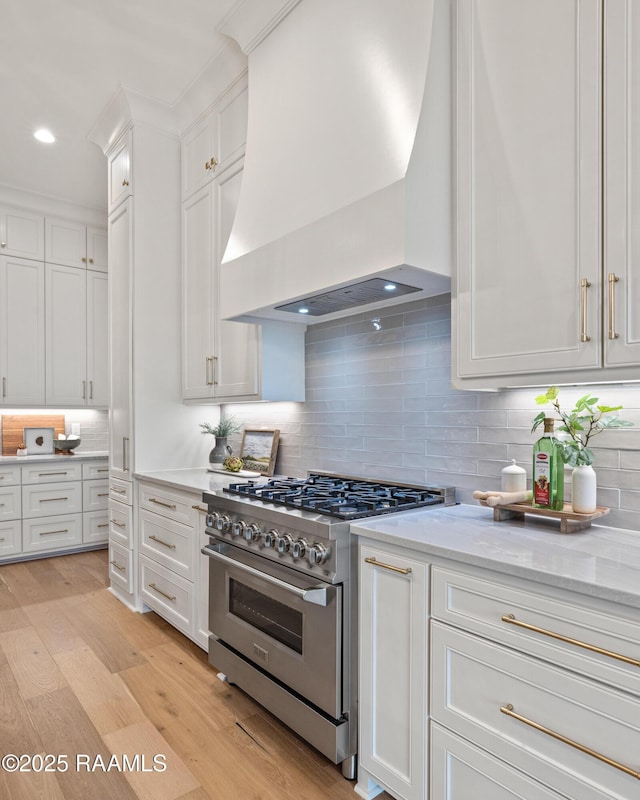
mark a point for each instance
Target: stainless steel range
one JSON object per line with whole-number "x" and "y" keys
{"x": 283, "y": 596}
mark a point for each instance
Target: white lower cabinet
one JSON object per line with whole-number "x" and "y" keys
{"x": 393, "y": 672}
{"x": 10, "y": 538}
{"x": 169, "y": 537}
{"x": 51, "y": 533}
{"x": 121, "y": 568}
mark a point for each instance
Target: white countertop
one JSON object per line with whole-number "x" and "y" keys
{"x": 600, "y": 561}
{"x": 53, "y": 457}
{"x": 193, "y": 480}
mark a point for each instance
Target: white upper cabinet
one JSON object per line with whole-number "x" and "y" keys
{"x": 74, "y": 245}
{"x": 216, "y": 141}
{"x": 21, "y": 233}
{"x": 527, "y": 292}
{"x": 22, "y": 334}
{"x": 97, "y": 339}
{"x": 120, "y": 171}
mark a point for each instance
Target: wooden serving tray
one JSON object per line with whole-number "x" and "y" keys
{"x": 570, "y": 521}
{"x": 13, "y": 426}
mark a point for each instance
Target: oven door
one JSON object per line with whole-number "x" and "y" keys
{"x": 284, "y": 622}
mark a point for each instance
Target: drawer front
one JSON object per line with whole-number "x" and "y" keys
{"x": 460, "y": 771}
{"x": 95, "y": 527}
{"x": 52, "y": 472}
{"x": 10, "y": 538}
{"x": 495, "y": 609}
{"x": 167, "y": 542}
{"x": 53, "y": 498}
{"x": 52, "y": 533}
{"x": 9, "y": 476}
{"x": 168, "y": 594}
{"x": 171, "y": 503}
{"x": 95, "y": 495}
{"x": 10, "y": 502}
{"x": 121, "y": 567}
{"x": 95, "y": 469}
{"x": 478, "y": 687}
{"x": 120, "y": 523}
{"x": 120, "y": 490}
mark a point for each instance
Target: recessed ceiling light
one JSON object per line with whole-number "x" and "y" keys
{"x": 390, "y": 287}
{"x": 303, "y": 310}
{"x": 44, "y": 135}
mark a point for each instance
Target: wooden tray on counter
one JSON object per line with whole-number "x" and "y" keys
{"x": 570, "y": 521}
{"x": 13, "y": 426}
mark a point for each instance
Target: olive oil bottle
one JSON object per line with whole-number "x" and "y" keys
{"x": 548, "y": 470}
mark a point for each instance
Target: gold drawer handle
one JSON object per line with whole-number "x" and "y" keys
{"x": 103, "y": 494}
{"x": 51, "y": 499}
{"x": 165, "y": 544}
{"x": 510, "y": 618}
{"x": 584, "y": 285}
{"x": 102, "y": 469}
{"x": 508, "y": 710}
{"x": 613, "y": 279}
{"x": 159, "y": 591}
{"x": 45, "y": 474}
{"x": 103, "y": 525}
{"x": 401, "y": 570}
{"x": 48, "y": 533}
{"x": 162, "y": 503}
{"x": 117, "y": 490}
{"x": 200, "y": 509}
{"x": 119, "y": 524}
{"x": 117, "y": 566}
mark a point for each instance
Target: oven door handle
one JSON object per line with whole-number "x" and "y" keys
{"x": 314, "y": 594}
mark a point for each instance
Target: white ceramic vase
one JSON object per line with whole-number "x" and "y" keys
{"x": 583, "y": 489}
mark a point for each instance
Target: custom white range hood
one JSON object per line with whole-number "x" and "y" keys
{"x": 347, "y": 174}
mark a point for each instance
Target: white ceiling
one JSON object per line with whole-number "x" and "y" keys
{"x": 61, "y": 61}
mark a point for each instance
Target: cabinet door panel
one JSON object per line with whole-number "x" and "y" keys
{"x": 622, "y": 182}
{"x": 65, "y": 243}
{"x": 66, "y": 347}
{"x": 97, "y": 253}
{"x": 22, "y": 331}
{"x": 97, "y": 339}
{"x": 198, "y": 148}
{"x": 22, "y": 233}
{"x": 528, "y": 173}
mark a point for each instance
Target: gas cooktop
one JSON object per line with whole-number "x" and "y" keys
{"x": 342, "y": 497}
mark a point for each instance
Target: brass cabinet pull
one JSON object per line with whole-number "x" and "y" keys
{"x": 162, "y": 503}
{"x": 84, "y": 390}
{"x": 613, "y": 279}
{"x": 2, "y": 505}
{"x": 103, "y": 525}
{"x": 164, "y": 544}
{"x": 508, "y": 710}
{"x": 375, "y": 562}
{"x": 211, "y": 164}
{"x": 210, "y": 370}
{"x": 51, "y": 499}
{"x": 48, "y": 474}
{"x": 172, "y": 598}
{"x": 125, "y": 455}
{"x": 2, "y": 539}
{"x": 4, "y": 385}
{"x": 90, "y": 390}
{"x": 510, "y": 618}
{"x": 118, "y": 524}
{"x": 200, "y": 509}
{"x": 125, "y": 182}
{"x": 117, "y": 566}
{"x": 102, "y": 469}
{"x": 118, "y": 490}
{"x": 103, "y": 494}
{"x": 584, "y": 285}
{"x": 48, "y": 533}
{"x": 3, "y": 244}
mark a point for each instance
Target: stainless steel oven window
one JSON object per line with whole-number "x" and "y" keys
{"x": 277, "y": 620}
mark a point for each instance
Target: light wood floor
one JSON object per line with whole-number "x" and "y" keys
{"x": 81, "y": 675}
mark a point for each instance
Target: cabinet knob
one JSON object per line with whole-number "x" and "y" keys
{"x": 84, "y": 260}
{"x": 91, "y": 261}
{"x": 125, "y": 182}
{"x": 212, "y": 163}
{"x": 3, "y": 244}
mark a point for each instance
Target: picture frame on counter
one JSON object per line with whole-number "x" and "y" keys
{"x": 259, "y": 450}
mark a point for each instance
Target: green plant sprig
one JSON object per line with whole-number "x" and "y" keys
{"x": 225, "y": 427}
{"x": 583, "y": 422}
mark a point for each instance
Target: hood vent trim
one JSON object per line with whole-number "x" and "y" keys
{"x": 375, "y": 290}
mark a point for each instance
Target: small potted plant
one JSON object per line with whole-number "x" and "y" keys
{"x": 585, "y": 420}
{"x": 222, "y": 430}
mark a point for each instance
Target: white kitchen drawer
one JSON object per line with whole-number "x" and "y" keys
{"x": 120, "y": 523}
{"x": 51, "y": 498}
{"x": 10, "y": 538}
{"x": 473, "y": 683}
{"x": 121, "y": 567}
{"x": 52, "y": 533}
{"x": 120, "y": 490}
{"x": 50, "y": 472}
{"x": 95, "y": 495}
{"x": 167, "y": 542}
{"x": 168, "y": 594}
{"x": 95, "y": 469}
{"x": 9, "y": 476}
{"x": 10, "y": 502}
{"x": 171, "y": 503}
{"x": 95, "y": 527}
{"x": 460, "y": 771}
{"x": 479, "y": 606}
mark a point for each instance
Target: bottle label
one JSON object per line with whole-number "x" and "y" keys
{"x": 542, "y": 479}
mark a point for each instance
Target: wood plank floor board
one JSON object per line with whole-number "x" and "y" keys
{"x": 22, "y": 585}
{"x": 54, "y": 627}
{"x": 12, "y": 618}
{"x": 30, "y": 786}
{"x": 33, "y": 668}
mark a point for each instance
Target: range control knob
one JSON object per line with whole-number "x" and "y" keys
{"x": 317, "y": 554}
{"x": 284, "y": 543}
{"x": 252, "y": 532}
{"x": 211, "y": 519}
{"x": 223, "y": 523}
{"x": 299, "y": 548}
{"x": 270, "y": 538}
{"x": 238, "y": 528}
